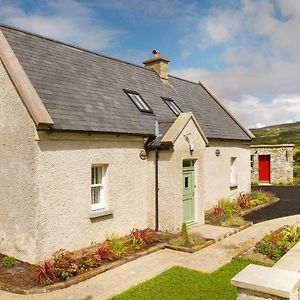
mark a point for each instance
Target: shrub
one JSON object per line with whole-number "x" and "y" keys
{"x": 184, "y": 233}
{"x": 116, "y": 244}
{"x": 256, "y": 202}
{"x": 10, "y": 261}
{"x": 230, "y": 207}
{"x": 254, "y": 182}
{"x": 264, "y": 248}
{"x": 291, "y": 234}
{"x": 296, "y": 171}
{"x": 296, "y": 156}
{"x": 218, "y": 209}
{"x": 103, "y": 252}
{"x": 216, "y": 219}
{"x": 233, "y": 221}
{"x": 146, "y": 236}
{"x": 45, "y": 273}
{"x": 136, "y": 243}
{"x": 185, "y": 239}
{"x": 243, "y": 200}
{"x": 260, "y": 197}
{"x": 65, "y": 264}
{"x": 276, "y": 244}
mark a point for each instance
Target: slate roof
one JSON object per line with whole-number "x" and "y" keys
{"x": 83, "y": 91}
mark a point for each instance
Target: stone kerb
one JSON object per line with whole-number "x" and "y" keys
{"x": 258, "y": 282}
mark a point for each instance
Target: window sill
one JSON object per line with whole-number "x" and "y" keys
{"x": 101, "y": 213}
{"x": 233, "y": 186}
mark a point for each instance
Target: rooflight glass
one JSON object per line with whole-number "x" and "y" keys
{"x": 176, "y": 110}
{"x": 138, "y": 101}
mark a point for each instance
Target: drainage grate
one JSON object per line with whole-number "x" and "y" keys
{"x": 15, "y": 270}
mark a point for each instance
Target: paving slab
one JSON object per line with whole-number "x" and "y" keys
{"x": 213, "y": 232}
{"x": 115, "y": 281}
{"x": 281, "y": 283}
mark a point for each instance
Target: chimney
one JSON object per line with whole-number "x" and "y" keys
{"x": 159, "y": 65}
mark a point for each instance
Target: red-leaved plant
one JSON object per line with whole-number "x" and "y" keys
{"x": 45, "y": 273}
{"x": 103, "y": 252}
{"x": 147, "y": 236}
{"x": 218, "y": 209}
{"x": 244, "y": 201}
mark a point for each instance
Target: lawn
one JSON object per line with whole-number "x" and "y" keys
{"x": 181, "y": 283}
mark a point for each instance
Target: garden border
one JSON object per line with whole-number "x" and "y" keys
{"x": 101, "y": 269}
{"x": 244, "y": 213}
{"x": 255, "y": 208}
{"x": 84, "y": 276}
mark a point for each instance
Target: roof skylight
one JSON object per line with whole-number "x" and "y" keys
{"x": 138, "y": 101}
{"x": 175, "y": 109}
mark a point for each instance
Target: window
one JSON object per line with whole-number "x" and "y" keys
{"x": 175, "y": 109}
{"x": 138, "y": 101}
{"x": 98, "y": 187}
{"x": 233, "y": 176}
{"x": 188, "y": 163}
{"x": 252, "y": 161}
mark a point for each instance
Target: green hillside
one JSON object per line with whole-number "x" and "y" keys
{"x": 278, "y": 134}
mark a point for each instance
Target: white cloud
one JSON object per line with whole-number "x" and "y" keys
{"x": 69, "y": 20}
{"x": 220, "y": 27}
{"x": 256, "y": 113}
{"x": 260, "y": 57}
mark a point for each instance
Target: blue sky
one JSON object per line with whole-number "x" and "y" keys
{"x": 247, "y": 51}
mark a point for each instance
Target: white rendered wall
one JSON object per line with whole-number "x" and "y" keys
{"x": 18, "y": 165}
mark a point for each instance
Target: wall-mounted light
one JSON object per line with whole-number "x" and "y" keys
{"x": 186, "y": 136}
{"x": 143, "y": 155}
{"x": 218, "y": 152}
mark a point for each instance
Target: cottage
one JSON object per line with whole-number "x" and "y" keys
{"x": 272, "y": 164}
{"x": 93, "y": 145}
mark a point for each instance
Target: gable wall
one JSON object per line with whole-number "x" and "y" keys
{"x": 18, "y": 190}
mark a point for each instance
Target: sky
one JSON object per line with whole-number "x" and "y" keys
{"x": 246, "y": 51}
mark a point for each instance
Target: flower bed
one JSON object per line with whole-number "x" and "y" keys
{"x": 229, "y": 213}
{"x": 274, "y": 244}
{"x": 65, "y": 264}
{"x": 69, "y": 267}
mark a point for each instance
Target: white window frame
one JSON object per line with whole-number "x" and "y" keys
{"x": 233, "y": 172}
{"x": 101, "y": 184}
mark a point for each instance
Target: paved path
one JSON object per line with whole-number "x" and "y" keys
{"x": 289, "y": 203}
{"x": 110, "y": 283}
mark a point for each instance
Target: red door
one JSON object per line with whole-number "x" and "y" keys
{"x": 264, "y": 168}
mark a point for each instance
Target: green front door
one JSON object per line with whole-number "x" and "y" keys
{"x": 188, "y": 194}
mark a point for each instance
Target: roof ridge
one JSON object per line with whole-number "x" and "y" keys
{"x": 86, "y": 50}
{"x": 186, "y": 80}
{"x": 71, "y": 46}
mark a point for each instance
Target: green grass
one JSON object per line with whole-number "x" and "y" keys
{"x": 181, "y": 283}
{"x": 278, "y": 134}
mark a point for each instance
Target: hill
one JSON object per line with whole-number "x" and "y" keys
{"x": 278, "y": 134}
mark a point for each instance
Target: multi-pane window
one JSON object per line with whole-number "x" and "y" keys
{"x": 175, "y": 109}
{"x": 233, "y": 175}
{"x": 138, "y": 101}
{"x": 98, "y": 187}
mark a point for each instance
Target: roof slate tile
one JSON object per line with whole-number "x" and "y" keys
{"x": 82, "y": 90}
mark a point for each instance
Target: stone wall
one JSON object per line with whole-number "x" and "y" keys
{"x": 281, "y": 162}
